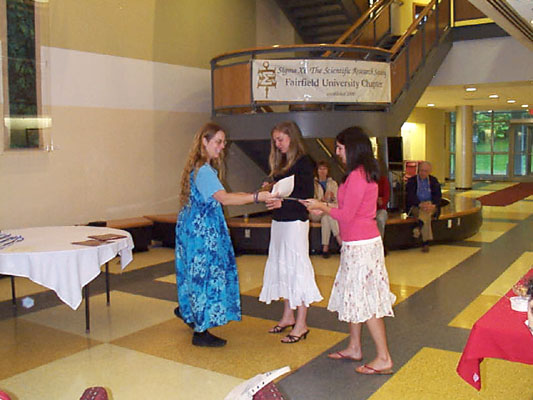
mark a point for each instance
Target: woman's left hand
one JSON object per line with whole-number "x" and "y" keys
{"x": 273, "y": 203}
{"x": 311, "y": 204}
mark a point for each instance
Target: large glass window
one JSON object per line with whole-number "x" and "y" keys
{"x": 501, "y": 149}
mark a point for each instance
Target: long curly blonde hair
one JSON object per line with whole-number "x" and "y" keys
{"x": 197, "y": 158}
{"x": 279, "y": 162}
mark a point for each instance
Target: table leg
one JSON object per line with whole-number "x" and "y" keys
{"x": 107, "y": 281}
{"x": 87, "y": 316}
{"x": 13, "y": 295}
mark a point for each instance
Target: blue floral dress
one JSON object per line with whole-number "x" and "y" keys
{"x": 206, "y": 272}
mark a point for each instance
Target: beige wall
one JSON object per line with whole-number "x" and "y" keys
{"x": 184, "y": 32}
{"x": 402, "y": 15}
{"x": 126, "y": 84}
{"x": 436, "y": 150}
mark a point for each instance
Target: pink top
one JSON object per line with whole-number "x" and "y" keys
{"x": 357, "y": 207}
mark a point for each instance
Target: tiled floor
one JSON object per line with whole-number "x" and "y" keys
{"x": 138, "y": 349}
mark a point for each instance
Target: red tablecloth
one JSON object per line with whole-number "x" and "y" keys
{"x": 500, "y": 333}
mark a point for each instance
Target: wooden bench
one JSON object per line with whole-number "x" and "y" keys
{"x": 459, "y": 219}
{"x": 164, "y": 228}
{"x": 140, "y": 229}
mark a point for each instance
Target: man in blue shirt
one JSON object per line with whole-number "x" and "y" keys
{"x": 423, "y": 197}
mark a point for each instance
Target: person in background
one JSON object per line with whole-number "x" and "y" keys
{"x": 361, "y": 292}
{"x": 326, "y": 190}
{"x": 383, "y": 200}
{"x": 206, "y": 272}
{"x": 289, "y": 273}
{"x": 423, "y": 196}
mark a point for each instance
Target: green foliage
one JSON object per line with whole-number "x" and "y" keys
{"x": 22, "y": 74}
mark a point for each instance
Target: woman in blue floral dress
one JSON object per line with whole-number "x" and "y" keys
{"x": 206, "y": 272}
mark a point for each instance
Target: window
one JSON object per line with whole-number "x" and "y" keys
{"x": 492, "y": 143}
{"x": 452, "y": 118}
{"x": 20, "y": 68}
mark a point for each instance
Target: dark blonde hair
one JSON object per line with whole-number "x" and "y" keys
{"x": 197, "y": 158}
{"x": 279, "y": 162}
{"x": 321, "y": 163}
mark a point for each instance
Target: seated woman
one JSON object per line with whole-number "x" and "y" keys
{"x": 326, "y": 191}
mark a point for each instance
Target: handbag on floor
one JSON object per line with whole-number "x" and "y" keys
{"x": 94, "y": 393}
{"x": 269, "y": 392}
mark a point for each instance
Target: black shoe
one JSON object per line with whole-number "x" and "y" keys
{"x": 177, "y": 313}
{"x": 206, "y": 339}
{"x": 325, "y": 254}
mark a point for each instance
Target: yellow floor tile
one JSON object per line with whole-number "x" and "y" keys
{"x": 475, "y": 310}
{"x": 493, "y": 293}
{"x": 416, "y": 269}
{"x": 403, "y": 292}
{"x": 511, "y": 275}
{"x": 497, "y": 226}
{"x": 168, "y": 279}
{"x": 143, "y": 259}
{"x": 23, "y": 287}
{"x": 250, "y": 349}
{"x": 430, "y": 375}
{"x": 498, "y": 186}
{"x": 25, "y": 345}
{"x": 107, "y": 323}
{"x": 472, "y": 193}
{"x": 502, "y": 213}
{"x": 485, "y": 236}
{"x": 126, "y": 374}
{"x": 250, "y": 269}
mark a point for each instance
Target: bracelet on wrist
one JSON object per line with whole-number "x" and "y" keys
{"x": 256, "y": 197}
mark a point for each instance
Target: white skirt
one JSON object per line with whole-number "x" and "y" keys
{"x": 361, "y": 289}
{"x": 289, "y": 273}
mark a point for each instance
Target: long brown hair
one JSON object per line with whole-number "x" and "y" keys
{"x": 197, "y": 158}
{"x": 279, "y": 162}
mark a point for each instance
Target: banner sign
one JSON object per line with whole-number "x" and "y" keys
{"x": 321, "y": 81}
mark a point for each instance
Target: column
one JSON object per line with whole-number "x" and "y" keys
{"x": 463, "y": 147}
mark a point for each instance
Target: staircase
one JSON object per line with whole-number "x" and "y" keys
{"x": 322, "y": 21}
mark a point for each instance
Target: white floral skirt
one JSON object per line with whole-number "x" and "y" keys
{"x": 361, "y": 289}
{"x": 289, "y": 273}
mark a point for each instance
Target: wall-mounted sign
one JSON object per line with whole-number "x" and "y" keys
{"x": 324, "y": 81}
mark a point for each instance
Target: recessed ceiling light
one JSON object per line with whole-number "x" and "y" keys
{"x": 511, "y": 101}
{"x": 471, "y": 89}
{"x": 525, "y": 106}
{"x": 431, "y": 105}
{"x": 493, "y": 96}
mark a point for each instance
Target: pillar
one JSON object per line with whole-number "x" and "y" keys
{"x": 464, "y": 126}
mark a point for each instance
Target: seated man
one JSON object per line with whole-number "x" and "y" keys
{"x": 423, "y": 197}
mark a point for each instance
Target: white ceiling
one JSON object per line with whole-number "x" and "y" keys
{"x": 448, "y": 97}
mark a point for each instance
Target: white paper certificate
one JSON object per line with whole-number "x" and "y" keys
{"x": 284, "y": 187}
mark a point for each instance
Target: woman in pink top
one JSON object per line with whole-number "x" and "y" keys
{"x": 361, "y": 290}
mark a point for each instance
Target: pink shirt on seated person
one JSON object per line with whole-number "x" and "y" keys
{"x": 356, "y": 213}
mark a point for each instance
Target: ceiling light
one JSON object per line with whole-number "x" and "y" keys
{"x": 524, "y": 105}
{"x": 493, "y": 96}
{"x": 431, "y": 105}
{"x": 471, "y": 89}
{"x": 511, "y": 101}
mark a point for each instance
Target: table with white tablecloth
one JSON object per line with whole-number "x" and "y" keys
{"x": 47, "y": 257}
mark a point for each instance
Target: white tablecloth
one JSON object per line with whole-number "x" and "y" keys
{"x": 47, "y": 257}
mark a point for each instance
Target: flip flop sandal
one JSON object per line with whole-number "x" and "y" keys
{"x": 373, "y": 371}
{"x": 339, "y": 356}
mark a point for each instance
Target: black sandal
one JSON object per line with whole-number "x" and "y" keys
{"x": 279, "y": 328}
{"x": 294, "y": 339}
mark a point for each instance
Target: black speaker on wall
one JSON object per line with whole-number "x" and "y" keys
{"x": 395, "y": 152}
